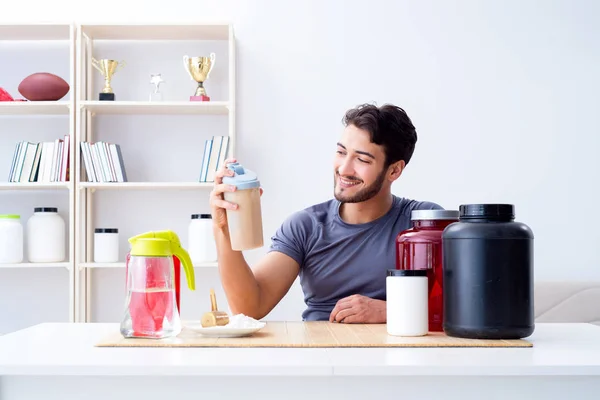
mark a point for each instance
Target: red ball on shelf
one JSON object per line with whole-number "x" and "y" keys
{"x": 43, "y": 86}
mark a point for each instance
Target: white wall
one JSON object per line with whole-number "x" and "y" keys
{"x": 504, "y": 96}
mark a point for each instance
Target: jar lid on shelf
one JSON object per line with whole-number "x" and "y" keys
{"x": 406, "y": 272}
{"x": 9, "y": 216}
{"x": 45, "y": 209}
{"x": 106, "y": 230}
{"x": 201, "y": 216}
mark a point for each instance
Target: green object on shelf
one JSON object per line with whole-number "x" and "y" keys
{"x": 10, "y": 216}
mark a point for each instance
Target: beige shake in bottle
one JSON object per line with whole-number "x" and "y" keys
{"x": 245, "y": 223}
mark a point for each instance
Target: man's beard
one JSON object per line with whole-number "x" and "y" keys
{"x": 364, "y": 194}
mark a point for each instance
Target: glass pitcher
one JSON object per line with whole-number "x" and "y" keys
{"x": 151, "y": 307}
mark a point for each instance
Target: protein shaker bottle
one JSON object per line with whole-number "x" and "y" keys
{"x": 245, "y": 223}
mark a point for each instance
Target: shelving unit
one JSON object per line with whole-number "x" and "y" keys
{"x": 37, "y": 32}
{"x": 145, "y": 185}
{"x": 39, "y": 36}
{"x": 35, "y": 108}
{"x": 129, "y": 104}
{"x": 122, "y": 265}
{"x": 66, "y": 265}
{"x": 82, "y": 109}
{"x": 35, "y": 185}
{"x": 164, "y": 108}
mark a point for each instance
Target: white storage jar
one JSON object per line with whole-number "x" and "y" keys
{"x": 201, "y": 241}
{"x": 106, "y": 245}
{"x": 11, "y": 239}
{"x": 407, "y": 294}
{"x": 46, "y": 236}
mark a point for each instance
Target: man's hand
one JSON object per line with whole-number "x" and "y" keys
{"x": 358, "y": 309}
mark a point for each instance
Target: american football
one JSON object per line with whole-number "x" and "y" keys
{"x": 43, "y": 86}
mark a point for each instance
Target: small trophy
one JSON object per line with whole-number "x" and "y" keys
{"x": 156, "y": 80}
{"x": 107, "y": 68}
{"x": 199, "y": 69}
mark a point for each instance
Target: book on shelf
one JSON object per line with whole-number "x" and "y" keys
{"x": 103, "y": 162}
{"x": 215, "y": 153}
{"x": 42, "y": 162}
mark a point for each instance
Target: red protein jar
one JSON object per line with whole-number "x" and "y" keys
{"x": 420, "y": 247}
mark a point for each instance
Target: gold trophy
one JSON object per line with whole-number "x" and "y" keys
{"x": 107, "y": 68}
{"x": 199, "y": 69}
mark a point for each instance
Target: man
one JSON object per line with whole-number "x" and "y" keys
{"x": 341, "y": 248}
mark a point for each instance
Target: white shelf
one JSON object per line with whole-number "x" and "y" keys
{"x": 156, "y": 31}
{"x": 33, "y": 185}
{"x": 164, "y": 107}
{"x": 34, "y": 107}
{"x": 144, "y": 185}
{"x": 35, "y": 31}
{"x": 37, "y": 265}
{"x": 122, "y": 265}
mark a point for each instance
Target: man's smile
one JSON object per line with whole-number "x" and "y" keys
{"x": 347, "y": 183}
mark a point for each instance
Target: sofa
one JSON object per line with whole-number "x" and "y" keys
{"x": 567, "y": 302}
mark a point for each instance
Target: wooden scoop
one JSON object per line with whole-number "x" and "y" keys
{"x": 214, "y": 317}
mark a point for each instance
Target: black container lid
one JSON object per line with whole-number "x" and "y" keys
{"x": 45, "y": 209}
{"x": 106, "y": 230}
{"x": 406, "y": 272}
{"x": 201, "y": 216}
{"x": 491, "y": 211}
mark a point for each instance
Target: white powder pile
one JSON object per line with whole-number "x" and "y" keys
{"x": 241, "y": 321}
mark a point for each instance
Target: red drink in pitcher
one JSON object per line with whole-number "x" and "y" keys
{"x": 151, "y": 297}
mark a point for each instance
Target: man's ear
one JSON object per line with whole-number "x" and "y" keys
{"x": 395, "y": 170}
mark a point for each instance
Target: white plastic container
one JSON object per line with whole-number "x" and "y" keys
{"x": 46, "y": 236}
{"x": 407, "y": 302}
{"x": 106, "y": 245}
{"x": 11, "y": 239}
{"x": 201, "y": 241}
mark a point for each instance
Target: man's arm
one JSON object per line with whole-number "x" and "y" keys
{"x": 253, "y": 291}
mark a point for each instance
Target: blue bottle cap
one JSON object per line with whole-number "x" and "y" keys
{"x": 242, "y": 179}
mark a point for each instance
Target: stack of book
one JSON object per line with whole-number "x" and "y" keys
{"x": 41, "y": 162}
{"x": 103, "y": 162}
{"x": 215, "y": 153}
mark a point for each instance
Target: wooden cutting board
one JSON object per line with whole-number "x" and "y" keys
{"x": 311, "y": 334}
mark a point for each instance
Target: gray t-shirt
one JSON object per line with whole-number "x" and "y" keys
{"x": 338, "y": 259}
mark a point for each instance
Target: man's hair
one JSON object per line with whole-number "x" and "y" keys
{"x": 389, "y": 126}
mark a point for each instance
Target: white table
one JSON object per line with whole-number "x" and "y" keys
{"x": 59, "y": 361}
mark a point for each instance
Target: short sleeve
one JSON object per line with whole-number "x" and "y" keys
{"x": 425, "y": 205}
{"x": 291, "y": 237}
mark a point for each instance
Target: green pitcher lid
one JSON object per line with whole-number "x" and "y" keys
{"x": 10, "y": 216}
{"x": 151, "y": 247}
